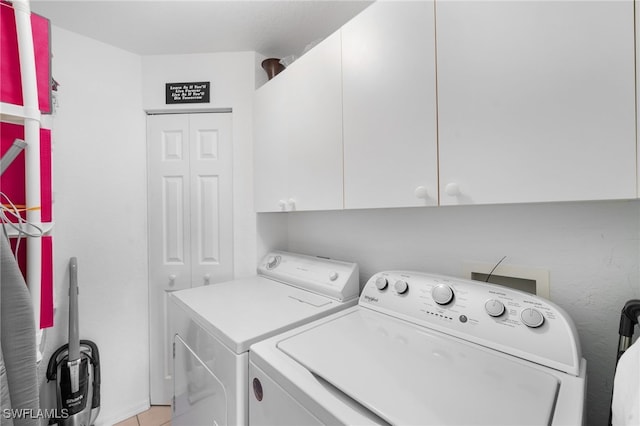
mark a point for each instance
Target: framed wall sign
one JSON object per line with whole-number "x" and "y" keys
{"x": 196, "y": 92}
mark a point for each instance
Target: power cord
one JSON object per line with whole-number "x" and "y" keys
{"x": 494, "y": 268}
{"x": 19, "y": 224}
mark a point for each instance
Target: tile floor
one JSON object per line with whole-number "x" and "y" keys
{"x": 157, "y": 415}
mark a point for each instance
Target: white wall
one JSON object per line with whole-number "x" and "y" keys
{"x": 100, "y": 195}
{"x": 591, "y": 250}
{"x": 100, "y": 213}
{"x": 233, "y": 78}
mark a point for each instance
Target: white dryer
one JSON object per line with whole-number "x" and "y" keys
{"x": 424, "y": 349}
{"x": 213, "y": 326}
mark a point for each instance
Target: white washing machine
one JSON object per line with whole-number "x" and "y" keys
{"x": 423, "y": 349}
{"x": 213, "y": 327}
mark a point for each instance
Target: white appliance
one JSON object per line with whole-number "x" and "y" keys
{"x": 424, "y": 349}
{"x": 213, "y": 326}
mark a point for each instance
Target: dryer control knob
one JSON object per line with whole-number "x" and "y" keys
{"x": 401, "y": 286}
{"x": 494, "y": 307}
{"x": 333, "y": 276}
{"x": 272, "y": 262}
{"x": 381, "y": 283}
{"x": 532, "y": 318}
{"x": 442, "y": 294}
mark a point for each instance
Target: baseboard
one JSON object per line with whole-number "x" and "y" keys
{"x": 111, "y": 417}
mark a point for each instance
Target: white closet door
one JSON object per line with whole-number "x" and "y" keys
{"x": 389, "y": 82}
{"x": 169, "y": 237}
{"x": 190, "y": 215}
{"x": 536, "y": 100}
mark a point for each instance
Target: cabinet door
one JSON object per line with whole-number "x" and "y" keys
{"x": 314, "y": 122}
{"x": 270, "y": 146}
{"x": 535, "y": 101}
{"x": 390, "y": 147}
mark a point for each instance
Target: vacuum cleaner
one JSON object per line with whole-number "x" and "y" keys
{"x": 75, "y": 367}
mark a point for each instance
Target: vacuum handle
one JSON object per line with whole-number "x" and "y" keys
{"x": 95, "y": 361}
{"x": 629, "y": 317}
{"x": 74, "y": 332}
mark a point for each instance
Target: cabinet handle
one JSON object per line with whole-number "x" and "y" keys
{"x": 421, "y": 192}
{"x": 172, "y": 280}
{"x": 282, "y": 204}
{"x": 452, "y": 189}
{"x": 291, "y": 202}
{"x": 207, "y": 279}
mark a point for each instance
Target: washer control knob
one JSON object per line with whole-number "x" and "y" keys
{"x": 401, "y": 286}
{"x": 442, "y": 294}
{"x": 381, "y": 283}
{"x": 532, "y": 318}
{"x": 494, "y": 307}
{"x": 333, "y": 276}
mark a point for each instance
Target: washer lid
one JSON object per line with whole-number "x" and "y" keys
{"x": 408, "y": 375}
{"x": 241, "y": 312}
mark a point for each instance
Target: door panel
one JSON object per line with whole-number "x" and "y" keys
{"x": 208, "y": 241}
{"x": 173, "y": 225}
{"x": 168, "y": 219}
{"x": 211, "y": 198}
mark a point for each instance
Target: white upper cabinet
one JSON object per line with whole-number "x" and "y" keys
{"x": 389, "y": 102}
{"x": 536, "y": 101}
{"x": 298, "y": 134}
{"x": 270, "y": 146}
{"x": 315, "y": 128}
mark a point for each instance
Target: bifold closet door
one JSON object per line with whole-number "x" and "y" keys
{"x": 190, "y": 208}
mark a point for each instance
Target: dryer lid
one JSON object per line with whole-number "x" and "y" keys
{"x": 408, "y": 375}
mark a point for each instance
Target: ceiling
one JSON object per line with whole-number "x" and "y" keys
{"x": 157, "y": 27}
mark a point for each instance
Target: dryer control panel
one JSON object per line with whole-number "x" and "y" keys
{"x": 500, "y": 318}
{"x": 328, "y": 277}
